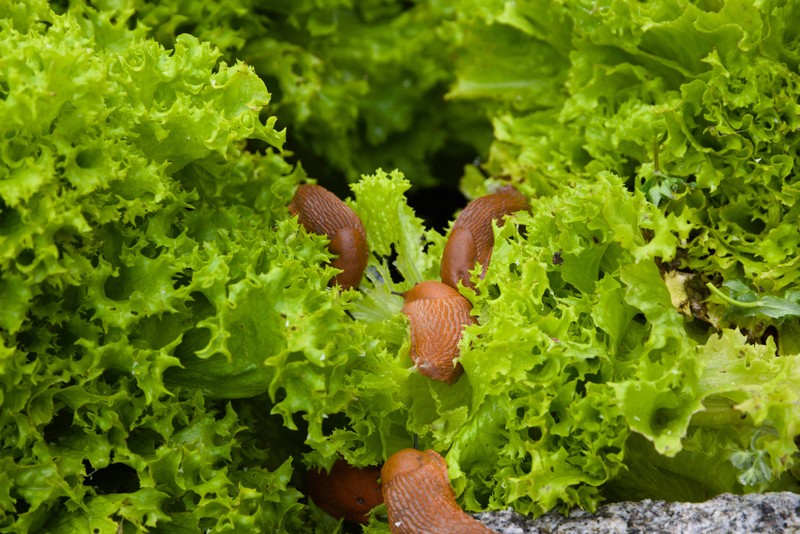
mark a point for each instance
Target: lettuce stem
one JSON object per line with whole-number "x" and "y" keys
{"x": 714, "y": 289}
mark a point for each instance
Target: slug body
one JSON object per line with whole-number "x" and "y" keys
{"x": 346, "y": 492}
{"x": 321, "y": 212}
{"x": 471, "y": 239}
{"x": 437, "y": 314}
{"x": 419, "y": 498}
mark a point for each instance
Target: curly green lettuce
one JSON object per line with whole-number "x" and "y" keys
{"x": 582, "y": 380}
{"x": 694, "y": 104}
{"x": 172, "y": 358}
{"x": 361, "y": 84}
{"x": 133, "y": 222}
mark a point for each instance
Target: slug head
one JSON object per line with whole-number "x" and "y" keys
{"x": 472, "y": 239}
{"x": 321, "y": 212}
{"x": 419, "y": 498}
{"x": 437, "y": 314}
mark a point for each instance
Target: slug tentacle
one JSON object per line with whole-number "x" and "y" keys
{"x": 471, "y": 240}
{"x": 321, "y": 212}
{"x": 437, "y": 314}
{"x": 419, "y": 498}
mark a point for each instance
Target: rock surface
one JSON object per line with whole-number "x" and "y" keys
{"x": 734, "y": 514}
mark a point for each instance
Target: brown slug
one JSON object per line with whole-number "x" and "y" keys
{"x": 437, "y": 314}
{"x": 346, "y": 492}
{"x": 471, "y": 239}
{"x": 419, "y": 498}
{"x": 321, "y": 212}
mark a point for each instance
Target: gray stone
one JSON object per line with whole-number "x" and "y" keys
{"x": 734, "y": 514}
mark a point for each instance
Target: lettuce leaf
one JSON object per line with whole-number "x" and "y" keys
{"x": 129, "y": 229}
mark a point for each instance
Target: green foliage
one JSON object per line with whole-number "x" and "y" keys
{"x": 694, "y": 103}
{"x": 362, "y": 83}
{"x": 129, "y": 229}
{"x": 171, "y": 356}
